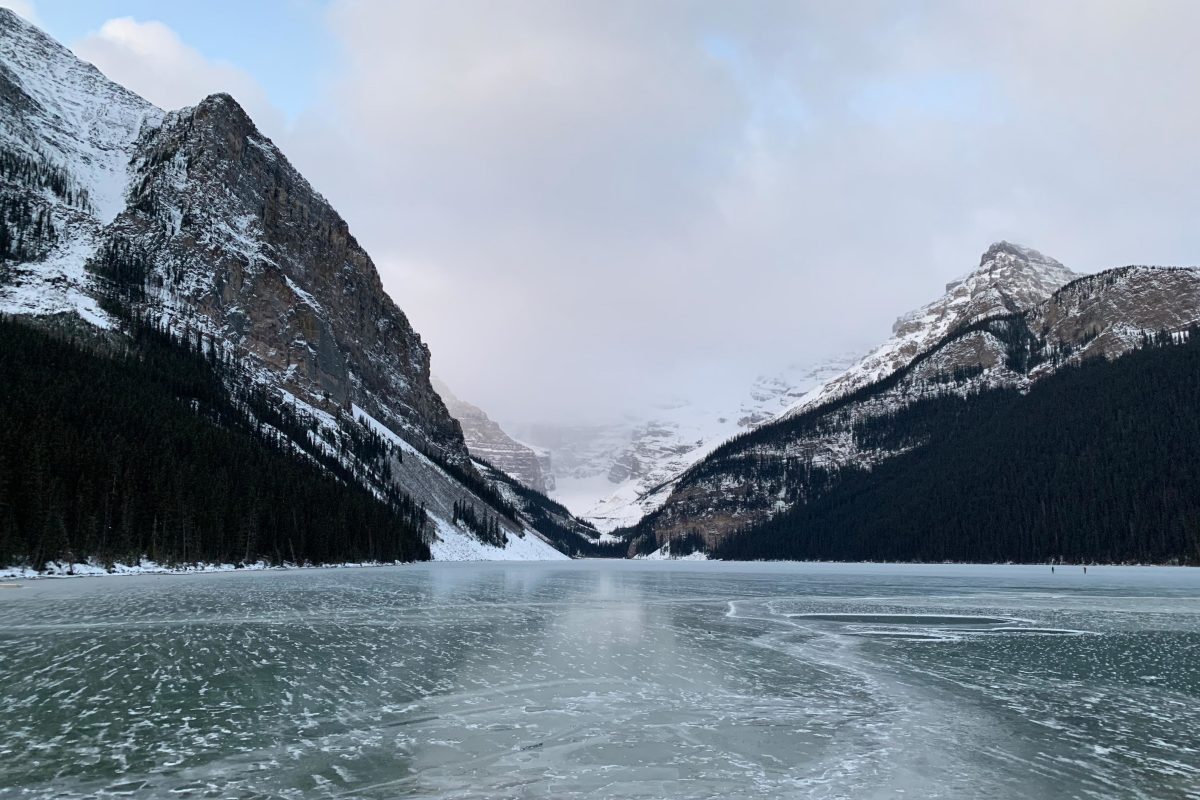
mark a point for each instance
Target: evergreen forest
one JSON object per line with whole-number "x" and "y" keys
{"x": 115, "y": 449}
{"x": 1099, "y": 462}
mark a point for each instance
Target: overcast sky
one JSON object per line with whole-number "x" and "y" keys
{"x": 589, "y": 207}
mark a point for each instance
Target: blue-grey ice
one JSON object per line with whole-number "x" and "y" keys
{"x": 605, "y": 679}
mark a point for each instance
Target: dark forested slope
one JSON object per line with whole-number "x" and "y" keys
{"x": 1100, "y": 462}
{"x": 118, "y": 450}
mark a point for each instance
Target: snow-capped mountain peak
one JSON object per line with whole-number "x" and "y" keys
{"x": 1010, "y": 278}
{"x": 70, "y": 114}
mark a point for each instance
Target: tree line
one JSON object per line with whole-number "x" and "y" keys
{"x": 121, "y": 449}
{"x": 1098, "y": 462}
{"x": 485, "y": 526}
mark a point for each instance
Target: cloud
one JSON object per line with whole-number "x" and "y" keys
{"x": 588, "y": 206}
{"x": 23, "y": 8}
{"x": 151, "y": 59}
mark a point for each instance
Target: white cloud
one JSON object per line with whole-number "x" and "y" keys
{"x": 584, "y": 206}
{"x": 151, "y": 59}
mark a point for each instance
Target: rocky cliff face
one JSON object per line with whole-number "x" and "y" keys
{"x": 487, "y": 440}
{"x": 1001, "y": 326}
{"x": 197, "y": 217}
{"x": 237, "y": 244}
{"x": 196, "y": 220}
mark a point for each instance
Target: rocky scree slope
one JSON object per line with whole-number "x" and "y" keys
{"x": 195, "y": 220}
{"x": 1004, "y": 325}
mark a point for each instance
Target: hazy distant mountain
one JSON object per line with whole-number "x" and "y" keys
{"x": 609, "y": 474}
{"x": 488, "y": 441}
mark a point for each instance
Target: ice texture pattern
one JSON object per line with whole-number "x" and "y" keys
{"x": 605, "y": 679}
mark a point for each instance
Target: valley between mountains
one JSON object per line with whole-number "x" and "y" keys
{"x": 201, "y": 367}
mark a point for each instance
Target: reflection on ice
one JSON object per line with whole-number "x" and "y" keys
{"x": 605, "y": 680}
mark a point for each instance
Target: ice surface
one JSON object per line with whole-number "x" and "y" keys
{"x": 605, "y": 679}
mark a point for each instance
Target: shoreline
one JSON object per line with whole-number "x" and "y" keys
{"x": 147, "y": 567}
{"x": 86, "y": 570}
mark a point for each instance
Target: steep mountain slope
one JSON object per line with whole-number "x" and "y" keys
{"x": 195, "y": 220}
{"x": 991, "y": 342}
{"x": 222, "y": 234}
{"x": 488, "y": 441}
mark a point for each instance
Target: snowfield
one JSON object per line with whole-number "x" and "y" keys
{"x": 453, "y": 544}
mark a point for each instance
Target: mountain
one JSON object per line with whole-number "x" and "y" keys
{"x": 117, "y": 215}
{"x": 209, "y": 311}
{"x": 1097, "y": 462}
{"x": 487, "y": 440}
{"x": 1009, "y": 279}
{"x": 612, "y": 474}
{"x": 1006, "y": 326}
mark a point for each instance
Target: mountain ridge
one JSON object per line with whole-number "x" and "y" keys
{"x": 1107, "y": 314}
{"x": 1009, "y": 277}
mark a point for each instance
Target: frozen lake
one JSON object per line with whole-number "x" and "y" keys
{"x": 605, "y": 679}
